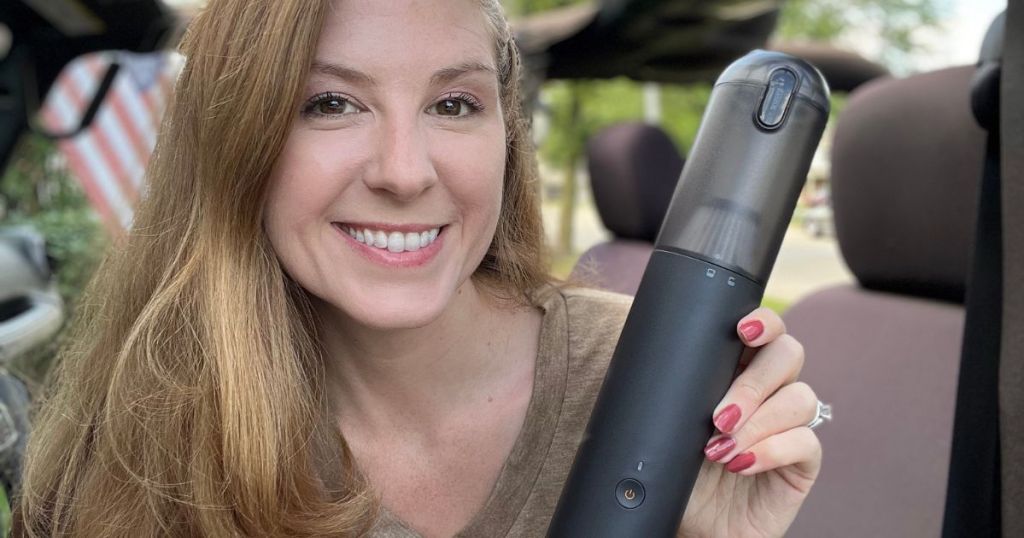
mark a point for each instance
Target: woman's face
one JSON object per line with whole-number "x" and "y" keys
{"x": 387, "y": 193}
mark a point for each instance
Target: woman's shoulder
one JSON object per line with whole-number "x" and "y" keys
{"x": 597, "y": 306}
{"x": 581, "y": 300}
{"x": 589, "y": 320}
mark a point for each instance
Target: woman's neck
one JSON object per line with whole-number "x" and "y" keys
{"x": 418, "y": 380}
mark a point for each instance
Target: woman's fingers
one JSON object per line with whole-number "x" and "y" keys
{"x": 776, "y": 364}
{"x": 760, "y": 327}
{"x": 793, "y": 406}
{"x": 799, "y": 447}
{"x": 756, "y": 329}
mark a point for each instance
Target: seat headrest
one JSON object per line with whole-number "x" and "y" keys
{"x": 985, "y": 82}
{"x": 634, "y": 169}
{"x": 906, "y": 167}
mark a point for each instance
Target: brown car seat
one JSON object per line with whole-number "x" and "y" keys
{"x": 906, "y": 166}
{"x": 634, "y": 168}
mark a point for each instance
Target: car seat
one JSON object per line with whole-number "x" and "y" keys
{"x": 634, "y": 168}
{"x": 906, "y": 166}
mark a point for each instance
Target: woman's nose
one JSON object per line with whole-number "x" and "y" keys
{"x": 403, "y": 166}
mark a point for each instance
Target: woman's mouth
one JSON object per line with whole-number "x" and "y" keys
{"x": 394, "y": 246}
{"x": 393, "y": 241}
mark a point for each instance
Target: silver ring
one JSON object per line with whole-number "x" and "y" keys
{"x": 824, "y": 415}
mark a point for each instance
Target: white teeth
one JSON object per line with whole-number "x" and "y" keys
{"x": 380, "y": 240}
{"x": 394, "y": 241}
{"x": 412, "y": 242}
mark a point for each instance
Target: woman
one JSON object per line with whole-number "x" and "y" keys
{"x": 332, "y": 316}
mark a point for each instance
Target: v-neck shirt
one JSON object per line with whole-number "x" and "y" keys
{"x": 579, "y": 331}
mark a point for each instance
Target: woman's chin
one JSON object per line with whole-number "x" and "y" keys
{"x": 396, "y": 318}
{"x": 392, "y": 309}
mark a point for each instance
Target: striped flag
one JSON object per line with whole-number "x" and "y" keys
{"x": 109, "y": 158}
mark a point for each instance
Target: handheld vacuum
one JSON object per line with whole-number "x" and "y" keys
{"x": 643, "y": 447}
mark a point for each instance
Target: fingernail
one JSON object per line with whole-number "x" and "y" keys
{"x": 727, "y": 419}
{"x": 751, "y": 330}
{"x": 743, "y": 461}
{"x": 718, "y": 448}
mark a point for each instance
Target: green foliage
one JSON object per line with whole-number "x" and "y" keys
{"x": 517, "y": 8}
{"x": 5, "y": 513}
{"x": 605, "y": 103}
{"x": 779, "y": 306}
{"x": 682, "y": 108}
{"x": 894, "y": 22}
{"x": 601, "y": 103}
{"x": 75, "y": 240}
{"x": 837, "y": 102}
{"x": 817, "y": 20}
{"x": 37, "y": 191}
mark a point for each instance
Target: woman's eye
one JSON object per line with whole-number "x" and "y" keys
{"x": 329, "y": 104}
{"x": 456, "y": 106}
{"x": 449, "y": 107}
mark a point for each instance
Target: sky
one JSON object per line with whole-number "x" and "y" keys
{"x": 958, "y": 40}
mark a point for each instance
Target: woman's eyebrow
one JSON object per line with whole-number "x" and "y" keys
{"x": 344, "y": 73}
{"x": 441, "y": 76}
{"x": 449, "y": 74}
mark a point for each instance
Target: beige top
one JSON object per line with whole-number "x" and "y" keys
{"x": 577, "y": 338}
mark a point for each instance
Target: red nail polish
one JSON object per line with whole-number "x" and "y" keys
{"x": 718, "y": 448}
{"x": 728, "y": 418}
{"x": 751, "y": 330}
{"x": 743, "y": 461}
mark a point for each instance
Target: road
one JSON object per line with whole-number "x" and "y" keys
{"x": 806, "y": 264}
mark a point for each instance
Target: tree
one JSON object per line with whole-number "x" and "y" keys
{"x": 893, "y": 22}
{"x": 567, "y": 132}
{"x": 578, "y": 110}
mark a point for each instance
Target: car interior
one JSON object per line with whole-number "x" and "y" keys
{"x": 905, "y": 150}
{"x": 922, "y": 356}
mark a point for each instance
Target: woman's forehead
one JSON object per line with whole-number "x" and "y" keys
{"x": 405, "y": 34}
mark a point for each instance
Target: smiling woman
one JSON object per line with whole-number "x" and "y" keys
{"x": 333, "y": 317}
{"x": 397, "y": 138}
{"x": 197, "y": 381}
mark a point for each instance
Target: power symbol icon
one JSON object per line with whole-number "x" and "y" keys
{"x": 629, "y": 493}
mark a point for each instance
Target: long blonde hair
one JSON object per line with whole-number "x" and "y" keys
{"x": 190, "y": 400}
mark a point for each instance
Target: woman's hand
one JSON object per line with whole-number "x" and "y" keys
{"x": 763, "y": 459}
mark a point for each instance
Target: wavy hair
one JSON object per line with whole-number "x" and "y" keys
{"x": 190, "y": 400}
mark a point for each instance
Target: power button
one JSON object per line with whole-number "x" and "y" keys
{"x": 777, "y": 98}
{"x": 629, "y": 493}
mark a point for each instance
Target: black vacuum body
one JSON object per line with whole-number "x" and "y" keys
{"x": 643, "y": 447}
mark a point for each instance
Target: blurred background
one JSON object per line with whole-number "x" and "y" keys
{"x": 90, "y": 80}
{"x": 58, "y": 187}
